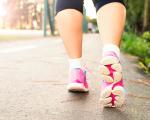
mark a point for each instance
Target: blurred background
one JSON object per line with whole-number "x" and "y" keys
{"x": 28, "y": 14}
{"x": 28, "y": 19}
{"x": 21, "y": 14}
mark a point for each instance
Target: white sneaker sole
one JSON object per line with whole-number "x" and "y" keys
{"x": 118, "y": 91}
{"x": 109, "y": 60}
{"x": 76, "y": 87}
{"x": 114, "y": 65}
{"x": 106, "y": 100}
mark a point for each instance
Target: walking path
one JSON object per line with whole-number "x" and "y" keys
{"x": 33, "y": 79}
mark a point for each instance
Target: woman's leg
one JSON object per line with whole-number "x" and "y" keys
{"x": 111, "y": 20}
{"x": 69, "y": 20}
{"x": 111, "y": 16}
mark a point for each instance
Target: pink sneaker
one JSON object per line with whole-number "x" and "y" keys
{"x": 112, "y": 88}
{"x": 78, "y": 81}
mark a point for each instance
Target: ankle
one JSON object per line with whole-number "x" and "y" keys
{"x": 111, "y": 48}
{"x": 75, "y": 63}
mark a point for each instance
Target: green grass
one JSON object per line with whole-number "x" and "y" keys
{"x": 138, "y": 46}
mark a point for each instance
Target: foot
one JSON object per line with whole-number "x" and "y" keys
{"x": 112, "y": 88}
{"x": 78, "y": 81}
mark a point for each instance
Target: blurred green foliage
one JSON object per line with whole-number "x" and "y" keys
{"x": 138, "y": 15}
{"x": 136, "y": 39}
{"x": 146, "y": 36}
{"x": 135, "y": 14}
{"x": 138, "y": 46}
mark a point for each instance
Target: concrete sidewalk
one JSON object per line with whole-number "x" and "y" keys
{"x": 14, "y": 32}
{"x": 33, "y": 79}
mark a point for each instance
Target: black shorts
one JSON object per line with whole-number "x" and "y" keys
{"x": 78, "y": 4}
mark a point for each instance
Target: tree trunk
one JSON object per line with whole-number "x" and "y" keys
{"x": 146, "y": 21}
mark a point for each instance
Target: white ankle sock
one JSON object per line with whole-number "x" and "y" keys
{"x": 111, "y": 47}
{"x": 75, "y": 63}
